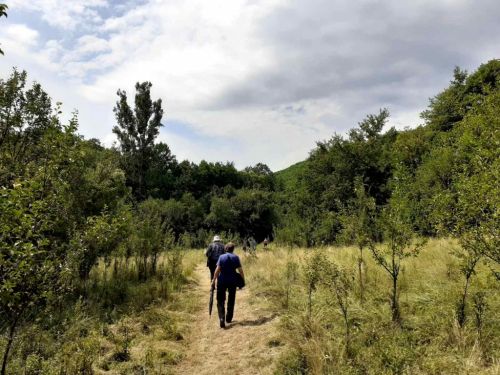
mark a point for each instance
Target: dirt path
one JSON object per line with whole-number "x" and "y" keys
{"x": 240, "y": 349}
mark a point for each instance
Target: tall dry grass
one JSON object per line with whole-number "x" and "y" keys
{"x": 428, "y": 341}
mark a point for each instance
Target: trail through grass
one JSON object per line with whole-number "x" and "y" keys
{"x": 246, "y": 346}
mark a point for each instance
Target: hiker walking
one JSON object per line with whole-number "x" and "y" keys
{"x": 265, "y": 243}
{"x": 227, "y": 281}
{"x": 214, "y": 251}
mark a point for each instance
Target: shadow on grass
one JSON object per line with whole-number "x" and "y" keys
{"x": 252, "y": 323}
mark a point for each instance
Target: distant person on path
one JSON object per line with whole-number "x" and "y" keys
{"x": 227, "y": 279}
{"x": 254, "y": 244}
{"x": 265, "y": 242}
{"x": 214, "y": 251}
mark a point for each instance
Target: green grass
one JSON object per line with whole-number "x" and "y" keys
{"x": 428, "y": 341}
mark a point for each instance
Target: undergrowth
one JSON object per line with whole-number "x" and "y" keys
{"x": 113, "y": 323}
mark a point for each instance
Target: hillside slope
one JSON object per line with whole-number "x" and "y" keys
{"x": 289, "y": 176}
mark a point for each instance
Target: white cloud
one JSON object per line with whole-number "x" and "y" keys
{"x": 19, "y": 39}
{"x": 22, "y": 34}
{"x": 271, "y": 77}
{"x": 64, "y": 14}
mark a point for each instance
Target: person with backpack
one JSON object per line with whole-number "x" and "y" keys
{"x": 227, "y": 281}
{"x": 214, "y": 251}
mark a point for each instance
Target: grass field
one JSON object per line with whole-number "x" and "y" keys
{"x": 428, "y": 340}
{"x": 149, "y": 329}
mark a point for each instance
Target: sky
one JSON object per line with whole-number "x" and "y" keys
{"x": 248, "y": 81}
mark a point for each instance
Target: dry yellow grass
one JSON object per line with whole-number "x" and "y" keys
{"x": 428, "y": 341}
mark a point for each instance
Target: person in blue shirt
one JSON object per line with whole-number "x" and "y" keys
{"x": 227, "y": 279}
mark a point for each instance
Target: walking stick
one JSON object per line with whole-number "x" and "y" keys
{"x": 211, "y": 303}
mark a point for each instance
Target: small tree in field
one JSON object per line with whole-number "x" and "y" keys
{"x": 469, "y": 258}
{"x": 399, "y": 238}
{"x": 149, "y": 236}
{"x": 291, "y": 272}
{"x": 313, "y": 271}
{"x": 339, "y": 282}
{"x": 357, "y": 223}
{"x": 287, "y": 236}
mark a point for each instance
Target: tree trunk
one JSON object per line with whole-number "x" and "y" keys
{"x": 9, "y": 344}
{"x": 287, "y": 293}
{"x": 360, "y": 264}
{"x": 153, "y": 263}
{"x": 396, "y": 317}
{"x": 310, "y": 302}
{"x": 461, "y": 307}
{"x": 348, "y": 336}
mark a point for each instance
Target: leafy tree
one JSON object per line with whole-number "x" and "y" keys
{"x": 358, "y": 224}
{"x": 412, "y": 146}
{"x": 40, "y": 245}
{"x": 100, "y": 236}
{"x": 249, "y": 212}
{"x": 333, "y": 166}
{"x": 137, "y": 131}
{"x": 451, "y": 105}
{"x": 445, "y": 108}
{"x": 399, "y": 237}
{"x": 97, "y": 183}
{"x": 184, "y": 215}
{"x": 476, "y": 191}
{"x": 148, "y": 236}
{"x": 25, "y": 115}
{"x": 259, "y": 169}
{"x": 313, "y": 273}
{"x": 162, "y": 173}
{"x": 339, "y": 282}
{"x": 31, "y": 258}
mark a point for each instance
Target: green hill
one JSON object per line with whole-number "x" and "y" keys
{"x": 289, "y": 176}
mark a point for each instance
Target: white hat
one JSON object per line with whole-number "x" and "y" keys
{"x": 216, "y": 238}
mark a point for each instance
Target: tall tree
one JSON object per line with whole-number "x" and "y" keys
{"x": 137, "y": 131}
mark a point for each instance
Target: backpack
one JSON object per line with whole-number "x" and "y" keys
{"x": 215, "y": 251}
